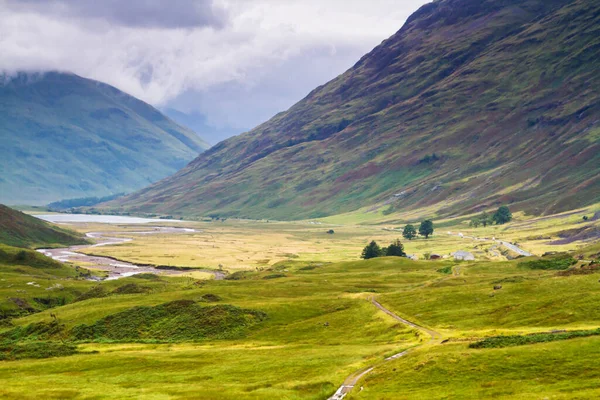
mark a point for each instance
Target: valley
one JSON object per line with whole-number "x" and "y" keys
{"x": 424, "y": 224}
{"x": 328, "y": 317}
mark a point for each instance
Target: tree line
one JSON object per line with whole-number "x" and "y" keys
{"x": 372, "y": 250}
{"x": 425, "y": 229}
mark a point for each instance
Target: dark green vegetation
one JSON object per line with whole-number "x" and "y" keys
{"x": 65, "y": 136}
{"x": 182, "y": 320}
{"x": 372, "y": 250}
{"x": 557, "y": 262}
{"x": 22, "y": 230}
{"x": 409, "y": 232}
{"x": 10, "y": 351}
{"x": 484, "y": 219}
{"x": 426, "y": 229}
{"x": 502, "y": 216}
{"x": 176, "y": 321}
{"x": 502, "y": 92}
{"x": 521, "y": 340}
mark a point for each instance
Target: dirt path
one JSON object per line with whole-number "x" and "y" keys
{"x": 353, "y": 379}
{"x": 117, "y": 268}
{"x": 508, "y": 245}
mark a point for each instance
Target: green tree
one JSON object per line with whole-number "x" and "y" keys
{"x": 372, "y": 250}
{"x": 502, "y": 216}
{"x": 475, "y": 222}
{"x": 396, "y": 249}
{"x": 409, "y": 232}
{"x": 485, "y": 219}
{"x": 426, "y": 228}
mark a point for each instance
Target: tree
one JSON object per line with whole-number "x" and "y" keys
{"x": 331, "y": 231}
{"x": 410, "y": 232}
{"x": 502, "y": 216}
{"x": 396, "y": 249}
{"x": 372, "y": 250}
{"x": 482, "y": 219}
{"x": 485, "y": 219}
{"x": 426, "y": 228}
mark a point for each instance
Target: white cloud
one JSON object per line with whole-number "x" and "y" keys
{"x": 229, "y": 49}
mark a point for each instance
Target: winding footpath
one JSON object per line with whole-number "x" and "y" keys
{"x": 116, "y": 268}
{"x": 353, "y": 379}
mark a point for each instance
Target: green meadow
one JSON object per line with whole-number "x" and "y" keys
{"x": 293, "y": 319}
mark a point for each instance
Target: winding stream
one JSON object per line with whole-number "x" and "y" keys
{"x": 118, "y": 269}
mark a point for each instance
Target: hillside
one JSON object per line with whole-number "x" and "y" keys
{"x": 63, "y": 136}
{"x": 471, "y": 104}
{"x": 22, "y": 230}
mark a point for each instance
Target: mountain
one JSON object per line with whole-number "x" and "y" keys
{"x": 473, "y": 103}
{"x": 22, "y": 230}
{"x": 199, "y": 124}
{"x": 63, "y": 136}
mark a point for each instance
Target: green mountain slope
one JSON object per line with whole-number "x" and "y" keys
{"x": 63, "y": 136}
{"x": 471, "y": 104}
{"x": 22, "y": 230}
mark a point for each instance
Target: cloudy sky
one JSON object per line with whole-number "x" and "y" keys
{"x": 237, "y": 62}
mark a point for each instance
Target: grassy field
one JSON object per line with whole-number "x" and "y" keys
{"x": 319, "y": 325}
{"x": 249, "y": 245}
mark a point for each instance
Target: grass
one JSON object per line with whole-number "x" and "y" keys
{"x": 22, "y": 230}
{"x": 296, "y": 328}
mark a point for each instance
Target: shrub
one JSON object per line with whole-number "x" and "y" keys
{"x": 396, "y": 249}
{"x": 557, "y": 262}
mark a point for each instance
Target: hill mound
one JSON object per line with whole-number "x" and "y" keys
{"x": 22, "y": 230}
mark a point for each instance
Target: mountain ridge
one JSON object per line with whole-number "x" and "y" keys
{"x": 457, "y": 111}
{"x": 66, "y": 136}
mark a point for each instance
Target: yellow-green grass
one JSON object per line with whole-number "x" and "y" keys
{"x": 188, "y": 371}
{"x": 321, "y": 326}
{"x": 469, "y": 305}
{"x": 558, "y": 370}
{"x": 250, "y": 245}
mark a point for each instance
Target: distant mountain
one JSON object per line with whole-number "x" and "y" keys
{"x": 473, "y": 103}
{"x": 63, "y": 136}
{"x": 199, "y": 124}
{"x": 22, "y": 230}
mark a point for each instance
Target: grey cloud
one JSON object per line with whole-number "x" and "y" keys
{"x": 132, "y": 13}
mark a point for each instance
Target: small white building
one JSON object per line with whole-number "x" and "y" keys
{"x": 462, "y": 255}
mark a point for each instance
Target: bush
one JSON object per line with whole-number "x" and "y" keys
{"x": 557, "y": 262}
{"x": 14, "y": 351}
{"x": 396, "y": 249}
{"x": 520, "y": 340}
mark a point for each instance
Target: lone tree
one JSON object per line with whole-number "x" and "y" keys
{"x": 396, "y": 249}
{"x": 485, "y": 219}
{"x": 372, "y": 250}
{"x": 410, "y": 232}
{"x": 426, "y": 228}
{"x": 502, "y": 216}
